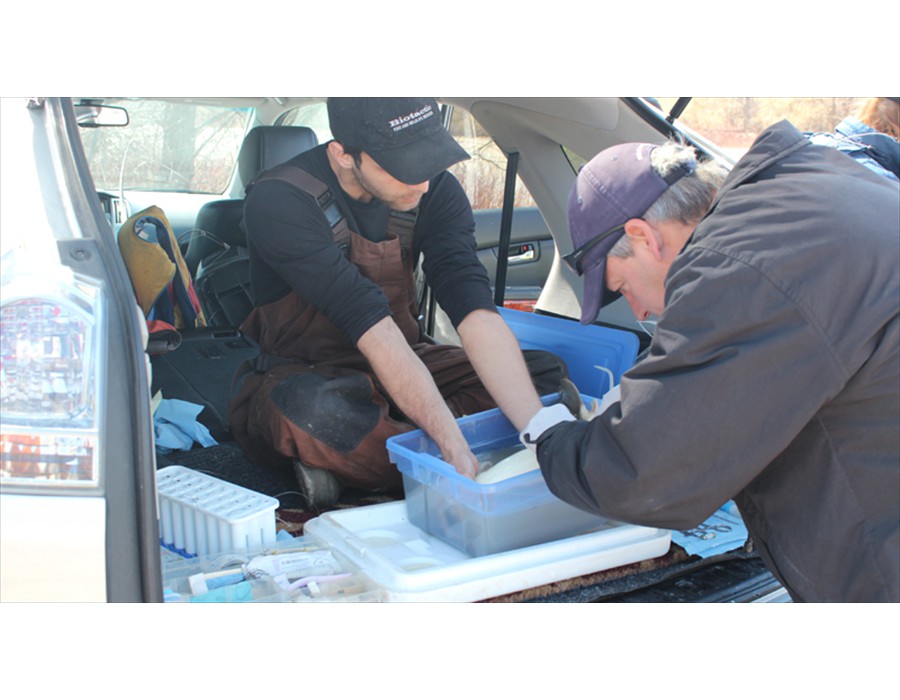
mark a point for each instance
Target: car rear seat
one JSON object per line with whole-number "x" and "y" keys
{"x": 216, "y": 253}
{"x": 200, "y": 370}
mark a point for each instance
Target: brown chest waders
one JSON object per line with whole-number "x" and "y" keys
{"x": 312, "y": 396}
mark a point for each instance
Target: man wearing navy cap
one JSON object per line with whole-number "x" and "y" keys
{"x": 773, "y": 377}
{"x": 344, "y": 363}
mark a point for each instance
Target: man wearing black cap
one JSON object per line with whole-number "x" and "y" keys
{"x": 773, "y": 377}
{"x": 344, "y": 364}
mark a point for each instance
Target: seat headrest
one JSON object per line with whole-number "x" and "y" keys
{"x": 267, "y": 146}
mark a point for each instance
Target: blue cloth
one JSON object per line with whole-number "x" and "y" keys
{"x": 235, "y": 593}
{"x": 723, "y": 531}
{"x": 175, "y": 426}
{"x": 878, "y": 152}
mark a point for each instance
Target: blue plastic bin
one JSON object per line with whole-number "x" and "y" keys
{"x": 479, "y": 518}
{"x": 588, "y": 350}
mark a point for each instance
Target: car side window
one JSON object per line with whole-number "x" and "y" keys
{"x": 483, "y": 176}
{"x": 314, "y": 115}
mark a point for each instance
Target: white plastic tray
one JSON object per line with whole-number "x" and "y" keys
{"x": 201, "y": 514}
{"x": 412, "y": 565}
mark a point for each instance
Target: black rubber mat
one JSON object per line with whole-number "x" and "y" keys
{"x": 227, "y": 461}
{"x": 201, "y": 370}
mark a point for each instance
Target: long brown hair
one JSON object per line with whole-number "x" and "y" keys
{"x": 883, "y": 114}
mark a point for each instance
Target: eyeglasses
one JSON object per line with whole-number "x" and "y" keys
{"x": 575, "y": 259}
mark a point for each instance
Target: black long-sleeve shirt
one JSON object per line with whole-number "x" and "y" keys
{"x": 292, "y": 247}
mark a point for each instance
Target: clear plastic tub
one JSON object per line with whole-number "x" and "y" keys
{"x": 482, "y": 518}
{"x": 292, "y": 570}
{"x": 488, "y": 518}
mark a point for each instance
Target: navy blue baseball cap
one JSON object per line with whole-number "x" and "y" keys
{"x": 404, "y": 135}
{"x": 616, "y": 185}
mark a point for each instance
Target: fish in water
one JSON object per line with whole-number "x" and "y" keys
{"x": 519, "y": 462}
{"x": 570, "y": 397}
{"x": 525, "y": 460}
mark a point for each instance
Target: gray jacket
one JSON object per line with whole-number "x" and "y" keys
{"x": 773, "y": 378}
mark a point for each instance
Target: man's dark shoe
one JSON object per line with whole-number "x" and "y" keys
{"x": 319, "y": 487}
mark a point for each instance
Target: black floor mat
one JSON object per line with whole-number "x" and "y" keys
{"x": 228, "y": 462}
{"x": 201, "y": 371}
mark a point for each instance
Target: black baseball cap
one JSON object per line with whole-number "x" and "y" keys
{"x": 404, "y": 135}
{"x": 615, "y": 186}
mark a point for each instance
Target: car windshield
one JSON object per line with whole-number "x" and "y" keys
{"x": 167, "y": 147}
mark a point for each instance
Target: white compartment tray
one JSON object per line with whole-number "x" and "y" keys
{"x": 412, "y": 565}
{"x": 200, "y": 514}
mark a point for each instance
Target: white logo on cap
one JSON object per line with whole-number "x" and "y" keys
{"x": 409, "y": 120}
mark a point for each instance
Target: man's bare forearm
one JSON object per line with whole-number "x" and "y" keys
{"x": 412, "y": 388}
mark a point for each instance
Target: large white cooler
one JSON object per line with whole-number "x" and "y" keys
{"x": 411, "y": 565}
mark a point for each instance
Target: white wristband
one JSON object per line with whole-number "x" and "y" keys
{"x": 542, "y": 421}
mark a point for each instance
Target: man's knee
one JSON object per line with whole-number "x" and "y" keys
{"x": 339, "y": 411}
{"x": 546, "y": 370}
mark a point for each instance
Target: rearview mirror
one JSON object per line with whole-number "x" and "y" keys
{"x": 91, "y": 115}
